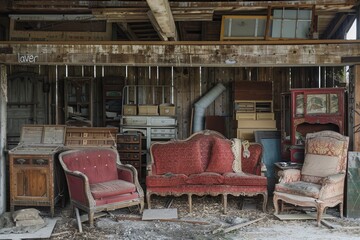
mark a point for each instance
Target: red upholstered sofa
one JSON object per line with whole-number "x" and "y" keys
{"x": 203, "y": 165}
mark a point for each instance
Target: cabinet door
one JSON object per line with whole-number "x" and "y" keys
{"x": 31, "y": 183}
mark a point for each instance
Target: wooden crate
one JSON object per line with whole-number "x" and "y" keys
{"x": 148, "y": 109}
{"x": 129, "y": 109}
{"x": 78, "y": 137}
{"x": 167, "y": 109}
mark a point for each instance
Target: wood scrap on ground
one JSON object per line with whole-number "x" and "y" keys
{"x": 120, "y": 218}
{"x": 237, "y": 226}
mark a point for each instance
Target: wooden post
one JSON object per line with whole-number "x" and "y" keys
{"x": 356, "y": 110}
{"x": 3, "y": 101}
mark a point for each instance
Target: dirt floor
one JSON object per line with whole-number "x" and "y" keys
{"x": 205, "y": 222}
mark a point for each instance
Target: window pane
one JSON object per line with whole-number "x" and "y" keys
{"x": 303, "y": 29}
{"x": 276, "y": 29}
{"x": 277, "y": 13}
{"x": 290, "y": 14}
{"x": 289, "y": 28}
{"x": 304, "y": 14}
{"x": 243, "y": 28}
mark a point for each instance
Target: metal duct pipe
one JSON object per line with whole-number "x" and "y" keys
{"x": 203, "y": 103}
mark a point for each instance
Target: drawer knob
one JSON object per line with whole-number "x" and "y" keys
{"x": 20, "y": 160}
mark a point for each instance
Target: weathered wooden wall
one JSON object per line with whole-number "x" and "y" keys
{"x": 190, "y": 83}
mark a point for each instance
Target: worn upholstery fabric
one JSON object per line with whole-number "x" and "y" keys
{"x": 116, "y": 199}
{"x": 329, "y": 147}
{"x": 244, "y": 179}
{"x": 166, "y": 180}
{"x": 221, "y": 158}
{"x": 320, "y": 165}
{"x": 177, "y": 157}
{"x": 252, "y": 163}
{"x": 236, "y": 146}
{"x": 299, "y": 188}
{"x": 101, "y": 169}
{"x": 205, "y": 178}
{"x": 111, "y": 188}
{"x": 206, "y": 143}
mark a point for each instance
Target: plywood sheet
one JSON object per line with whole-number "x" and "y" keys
{"x": 153, "y": 214}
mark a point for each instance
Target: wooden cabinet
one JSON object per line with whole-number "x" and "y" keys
{"x": 310, "y": 110}
{"x": 112, "y": 101}
{"x": 36, "y": 178}
{"x": 79, "y": 101}
{"x": 129, "y": 148}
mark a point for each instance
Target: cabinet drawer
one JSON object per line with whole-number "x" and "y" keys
{"x": 163, "y": 130}
{"x": 159, "y": 121}
{"x": 128, "y": 138}
{"x": 128, "y": 147}
{"x": 265, "y": 116}
{"x": 136, "y": 164}
{"x": 128, "y": 155}
{"x": 257, "y": 124}
{"x": 21, "y": 161}
{"x": 134, "y": 121}
{"x": 40, "y": 162}
{"x": 248, "y": 116}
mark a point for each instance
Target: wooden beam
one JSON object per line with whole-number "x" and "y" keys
{"x": 164, "y": 18}
{"x": 334, "y": 25}
{"x": 192, "y": 54}
{"x": 77, "y": 5}
{"x": 156, "y": 26}
{"x": 127, "y": 31}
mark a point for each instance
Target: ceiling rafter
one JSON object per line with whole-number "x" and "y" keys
{"x": 162, "y": 13}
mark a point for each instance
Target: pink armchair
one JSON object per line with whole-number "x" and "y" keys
{"x": 320, "y": 182}
{"x": 97, "y": 181}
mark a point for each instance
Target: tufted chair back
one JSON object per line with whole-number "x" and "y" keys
{"x": 99, "y": 165}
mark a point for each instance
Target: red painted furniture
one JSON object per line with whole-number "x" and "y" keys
{"x": 309, "y": 110}
{"x": 202, "y": 165}
{"x": 97, "y": 181}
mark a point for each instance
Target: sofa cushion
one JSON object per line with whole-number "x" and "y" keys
{"x": 319, "y": 165}
{"x": 244, "y": 179}
{"x": 299, "y": 188}
{"x": 221, "y": 158}
{"x": 111, "y": 188}
{"x": 177, "y": 157}
{"x": 166, "y": 180}
{"x": 205, "y": 178}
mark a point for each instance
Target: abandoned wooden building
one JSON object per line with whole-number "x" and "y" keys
{"x": 166, "y": 69}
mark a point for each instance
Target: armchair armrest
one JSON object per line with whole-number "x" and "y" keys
{"x": 333, "y": 179}
{"x": 332, "y": 186}
{"x": 79, "y": 188}
{"x": 129, "y": 173}
{"x": 289, "y": 175}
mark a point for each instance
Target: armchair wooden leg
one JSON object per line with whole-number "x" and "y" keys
{"x": 225, "y": 203}
{"x": 141, "y": 206}
{"x": 148, "y": 196}
{"x": 78, "y": 219}
{"x": 341, "y": 209}
{"x": 190, "y": 202}
{"x": 265, "y": 195}
{"x": 320, "y": 209}
{"x": 276, "y": 204}
{"x": 91, "y": 218}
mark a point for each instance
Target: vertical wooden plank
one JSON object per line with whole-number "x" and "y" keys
{"x": 356, "y": 111}
{"x": 3, "y": 101}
